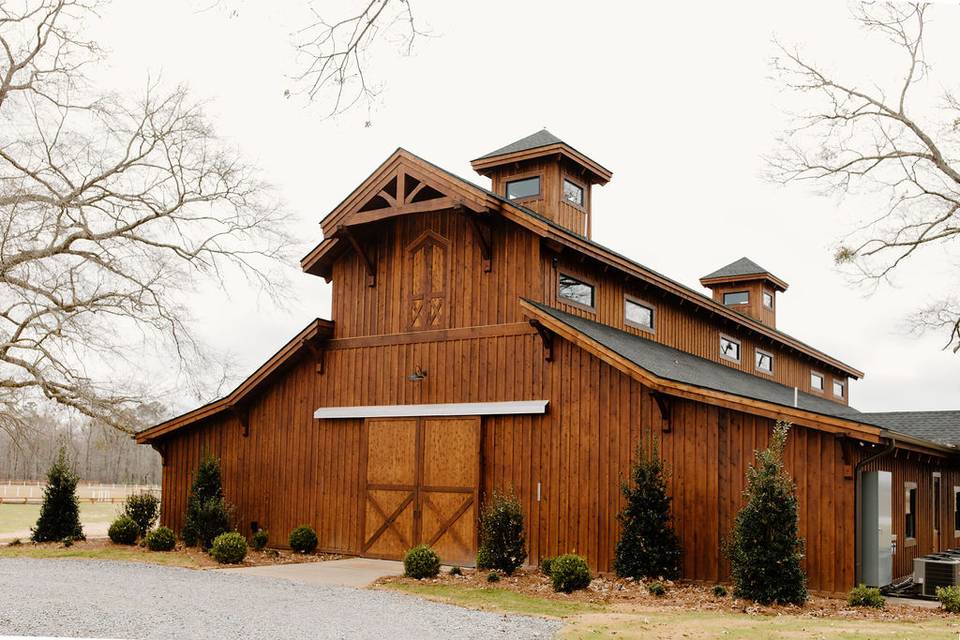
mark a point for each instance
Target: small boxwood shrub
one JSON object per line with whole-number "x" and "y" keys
{"x": 949, "y": 598}
{"x": 455, "y": 571}
{"x": 545, "y": 564}
{"x": 493, "y": 576}
{"x": 260, "y": 539}
{"x": 161, "y": 539}
{"x": 864, "y": 596}
{"x": 502, "y": 542}
{"x": 719, "y": 591}
{"x": 421, "y": 562}
{"x": 229, "y": 548}
{"x": 569, "y": 573}
{"x": 142, "y": 508}
{"x": 303, "y": 539}
{"x": 657, "y": 589}
{"x": 123, "y": 530}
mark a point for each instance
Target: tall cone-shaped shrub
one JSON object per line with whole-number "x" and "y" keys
{"x": 765, "y": 547}
{"x": 208, "y": 514}
{"x": 648, "y": 546}
{"x": 60, "y": 514}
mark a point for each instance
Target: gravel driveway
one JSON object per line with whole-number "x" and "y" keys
{"x": 131, "y": 600}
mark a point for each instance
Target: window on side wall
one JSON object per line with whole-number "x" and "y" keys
{"x": 730, "y": 348}
{"x": 910, "y": 513}
{"x": 816, "y": 381}
{"x": 838, "y": 389}
{"x": 637, "y": 313}
{"x": 575, "y": 291}
{"x": 764, "y": 361}
{"x": 768, "y": 300}
{"x": 956, "y": 512}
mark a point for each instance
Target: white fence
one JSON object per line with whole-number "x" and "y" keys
{"x": 29, "y": 492}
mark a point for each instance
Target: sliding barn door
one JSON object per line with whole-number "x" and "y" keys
{"x": 390, "y": 503}
{"x": 422, "y": 487}
{"x": 449, "y": 486}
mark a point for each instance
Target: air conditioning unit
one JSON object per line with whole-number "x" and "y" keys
{"x": 938, "y": 570}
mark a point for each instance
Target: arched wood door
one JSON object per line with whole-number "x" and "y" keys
{"x": 422, "y": 487}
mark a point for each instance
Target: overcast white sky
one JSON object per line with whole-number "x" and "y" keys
{"x": 674, "y": 98}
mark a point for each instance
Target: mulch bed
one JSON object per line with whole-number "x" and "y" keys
{"x": 199, "y": 557}
{"x": 629, "y": 595}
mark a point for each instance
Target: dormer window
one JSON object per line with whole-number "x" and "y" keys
{"x": 730, "y": 348}
{"x": 572, "y": 193}
{"x": 816, "y": 381}
{"x": 523, "y": 188}
{"x": 736, "y": 297}
{"x": 768, "y": 300}
{"x": 575, "y": 292}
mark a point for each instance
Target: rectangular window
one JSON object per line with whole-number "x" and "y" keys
{"x": 838, "y": 388}
{"x": 910, "y": 511}
{"x": 956, "y": 512}
{"x": 816, "y": 381}
{"x": 572, "y": 193}
{"x": 768, "y": 300}
{"x": 637, "y": 313}
{"x": 764, "y": 361}
{"x": 523, "y": 188}
{"x": 736, "y": 297}
{"x": 576, "y": 291}
{"x": 730, "y": 348}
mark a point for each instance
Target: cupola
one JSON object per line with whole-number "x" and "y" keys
{"x": 748, "y": 288}
{"x": 543, "y": 173}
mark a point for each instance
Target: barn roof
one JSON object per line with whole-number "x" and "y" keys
{"x": 667, "y": 363}
{"x": 937, "y": 426}
{"x": 542, "y": 138}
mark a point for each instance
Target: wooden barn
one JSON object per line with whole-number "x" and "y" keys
{"x": 481, "y": 339}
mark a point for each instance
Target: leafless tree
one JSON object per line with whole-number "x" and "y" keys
{"x": 860, "y": 137}
{"x": 109, "y": 210}
{"x": 336, "y": 51}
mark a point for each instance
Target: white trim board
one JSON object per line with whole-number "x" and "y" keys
{"x": 519, "y": 407}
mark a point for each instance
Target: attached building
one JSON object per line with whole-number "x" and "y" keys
{"x": 481, "y": 339}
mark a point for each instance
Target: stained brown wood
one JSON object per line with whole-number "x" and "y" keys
{"x": 448, "y": 300}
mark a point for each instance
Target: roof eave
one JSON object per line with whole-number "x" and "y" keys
{"x": 601, "y": 174}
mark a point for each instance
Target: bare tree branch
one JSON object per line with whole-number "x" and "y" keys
{"x": 336, "y": 51}
{"x": 868, "y": 140}
{"x": 109, "y": 211}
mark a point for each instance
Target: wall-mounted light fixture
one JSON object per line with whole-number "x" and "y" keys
{"x": 417, "y": 375}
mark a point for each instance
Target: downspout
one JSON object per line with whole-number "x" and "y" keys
{"x": 858, "y": 515}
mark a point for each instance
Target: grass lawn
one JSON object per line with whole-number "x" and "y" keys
{"x": 587, "y": 621}
{"x": 106, "y": 552}
{"x": 20, "y": 517}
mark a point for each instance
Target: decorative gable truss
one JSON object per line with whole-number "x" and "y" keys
{"x": 403, "y": 185}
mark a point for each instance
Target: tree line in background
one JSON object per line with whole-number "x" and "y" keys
{"x": 97, "y": 451}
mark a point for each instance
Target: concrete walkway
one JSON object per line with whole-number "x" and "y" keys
{"x": 349, "y": 572}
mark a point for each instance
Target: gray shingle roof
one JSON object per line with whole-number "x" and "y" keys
{"x": 938, "y": 426}
{"x": 742, "y": 267}
{"x": 679, "y": 366}
{"x": 541, "y": 138}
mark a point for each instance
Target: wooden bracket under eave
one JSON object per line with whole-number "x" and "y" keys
{"x": 242, "y": 414}
{"x": 484, "y": 234}
{"x": 161, "y": 448}
{"x": 663, "y": 403}
{"x": 368, "y": 264}
{"x": 318, "y": 352}
{"x": 846, "y": 444}
{"x": 546, "y": 336}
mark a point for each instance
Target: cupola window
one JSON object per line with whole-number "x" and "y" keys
{"x": 572, "y": 193}
{"x": 816, "y": 381}
{"x": 764, "y": 361}
{"x": 838, "y": 388}
{"x": 524, "y": 188}
{"x": 736, "y": 297}
{"x": 768, "y": 300}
